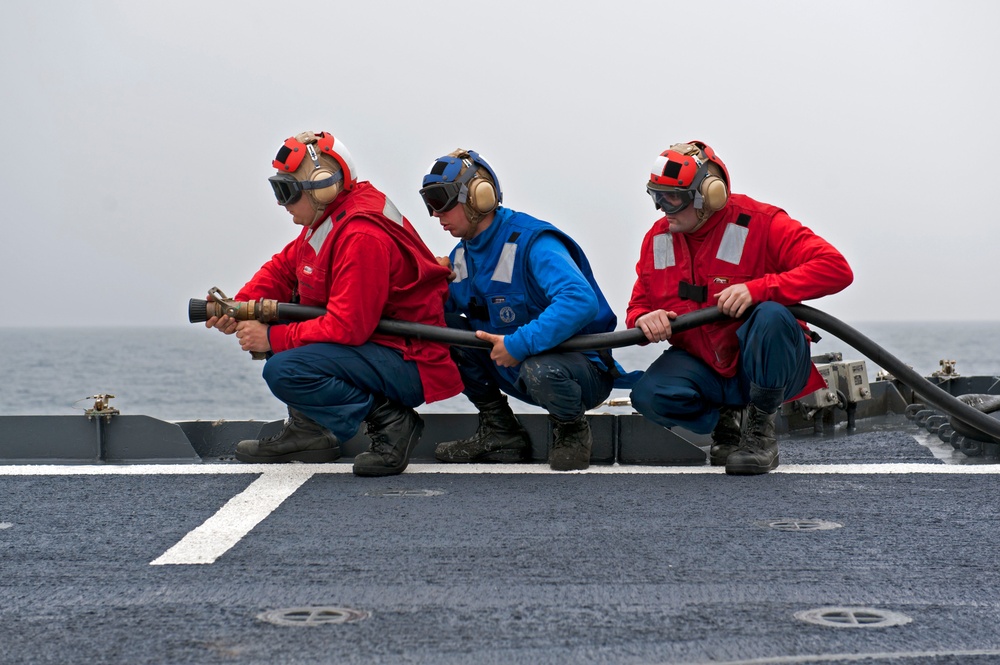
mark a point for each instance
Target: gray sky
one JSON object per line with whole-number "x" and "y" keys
{"x": 138, "y": 136}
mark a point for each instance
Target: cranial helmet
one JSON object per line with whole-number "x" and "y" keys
{"x": 315, "y": 163}
{"x": 462, "y": 176}
{"x": 693, "y": 174}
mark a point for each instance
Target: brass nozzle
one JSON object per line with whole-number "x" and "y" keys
{"x": 265, "y": 311}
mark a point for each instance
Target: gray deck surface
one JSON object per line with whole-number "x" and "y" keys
{"x": 511, "y": 565}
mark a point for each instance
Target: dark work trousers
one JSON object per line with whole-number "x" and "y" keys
{"x": 334, "y": 384}
{"x": 681, "y": 390}
{"x": 564, "y": 384}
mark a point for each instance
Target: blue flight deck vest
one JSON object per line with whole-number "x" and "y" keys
{"x": 507, "y": 297}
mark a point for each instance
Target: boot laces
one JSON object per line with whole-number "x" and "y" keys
{"x": 564, "y": 435}
{"x": 274, "y": 438}
{"x": 379, "y": 439}
{"x": 755, "y": 424}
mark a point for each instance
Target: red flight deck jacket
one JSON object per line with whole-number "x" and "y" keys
{"x": 747, "y": 242}
{"x": 363, "y": 261}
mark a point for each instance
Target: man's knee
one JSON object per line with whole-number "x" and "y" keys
{"x": 667, "y": 398}
{"x": 273, "y": 369}
{"x": 642, "y": 396}
{"x": 771, "y": 316}
{"x": 541, "y": 379}
{"x": 276, "y": 373}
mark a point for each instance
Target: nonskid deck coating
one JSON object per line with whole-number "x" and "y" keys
{"x": 174, "y": 563}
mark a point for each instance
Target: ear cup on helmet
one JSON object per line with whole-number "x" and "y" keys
{"x": 713, "y": 190}
{"x": 326, "y": 194}
{"x": 482, "y": 195}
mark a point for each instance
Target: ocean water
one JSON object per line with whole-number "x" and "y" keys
{"x": 190, "y": 373}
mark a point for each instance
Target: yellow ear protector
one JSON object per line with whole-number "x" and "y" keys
{"x": 482, "y": 196}
{"x": 323, "y": 185}
{"x": 481, "y": 193}
{"x": 713, "y": 190}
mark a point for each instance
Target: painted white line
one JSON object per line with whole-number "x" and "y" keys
{"x": 477, "y": 469}
{"x": 220, "y": 532}
{"x": 231, "y": 523}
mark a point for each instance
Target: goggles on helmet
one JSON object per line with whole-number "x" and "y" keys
{"x": 672, "y": 202}
{"x": 446, "y": 185}
{"x": 288, "y": 190}
{"x": 440, "y": 197}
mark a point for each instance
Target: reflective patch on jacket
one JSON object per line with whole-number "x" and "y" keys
{"x": 392, "y": 212}
{"x": 461, "y": 270}
{"x": 663, "y": 251}
{"x": 319, "y": 234}
{"x": 731, "y": 247}
{"x": 504, "y": 271}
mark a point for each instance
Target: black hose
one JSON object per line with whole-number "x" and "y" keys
{"x": 198, "y": 312}
{"x": 594, "y": 342}
{"x": 932, "y": 394}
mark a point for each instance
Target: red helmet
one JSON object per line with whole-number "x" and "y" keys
{"x": 301, "y": 166}
{"x": 693, "y": 172}
{"x": 291, "y": 154}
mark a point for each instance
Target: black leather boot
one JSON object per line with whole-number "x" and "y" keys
{"x": 499, "y": 438}
{"x": 571, "y": 445}
{"x": 726, "y": 435}
{"x": 300, "y": 440}
{"x": 394, "y": 430}
{"x": 758, "y": 451}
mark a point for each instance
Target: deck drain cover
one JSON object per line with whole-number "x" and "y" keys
{"x": 312, "y": 616}
{"x": 852, "y": 617}
{"x": 397, "y": 493}
{"x": 801, "y": 525}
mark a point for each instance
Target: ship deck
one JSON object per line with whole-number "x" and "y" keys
{"x": 876, "y": 544}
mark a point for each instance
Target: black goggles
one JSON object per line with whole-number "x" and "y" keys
{"x": 672, "y": 202}
{"x": 441, "y": 197}
{"x": 288, "y": 190}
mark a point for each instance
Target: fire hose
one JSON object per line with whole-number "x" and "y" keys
{"x": 969, "y": 418}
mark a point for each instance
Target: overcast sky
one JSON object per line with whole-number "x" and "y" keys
{"x": 138, "y": 136}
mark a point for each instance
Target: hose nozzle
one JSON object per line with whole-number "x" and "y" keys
{"x": 265, "y": 311}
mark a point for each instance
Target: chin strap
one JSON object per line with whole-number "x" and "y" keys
{"x": 473, "y": 225}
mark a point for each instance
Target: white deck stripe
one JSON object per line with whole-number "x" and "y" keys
{"x": 220, "y": 532}
{"x": 474, "y": 469}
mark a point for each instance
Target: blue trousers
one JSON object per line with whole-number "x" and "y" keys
{"x": 564, "y": 384}
{"x": 334, "y": 384}
{"x": 679, "y": 389}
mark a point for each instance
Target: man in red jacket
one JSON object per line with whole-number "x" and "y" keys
{"x": 713, "y": 248}
{"x": 358, "y": 257}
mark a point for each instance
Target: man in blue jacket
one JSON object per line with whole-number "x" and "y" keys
{"x": 525, "y": 287}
